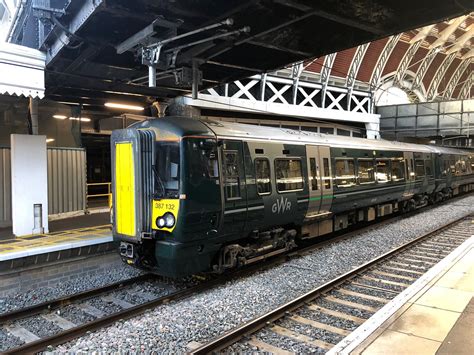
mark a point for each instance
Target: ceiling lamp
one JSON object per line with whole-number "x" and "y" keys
{"x": 82, "y": 119}
{"x": 60, "y": 117}
{"x": 124, "y": 106}
{"x": 49, "y": 140}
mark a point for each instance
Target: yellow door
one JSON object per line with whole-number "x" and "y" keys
{"x": 124, "y": 189}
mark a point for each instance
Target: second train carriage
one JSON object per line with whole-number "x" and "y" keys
{"x": 195, "y": 195}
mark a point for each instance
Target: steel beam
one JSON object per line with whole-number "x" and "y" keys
{"x": 438, "y": 77}
{"x": 383, "y": 58}
{"x": 454, "y": 80}
{"x": 87, "y": 8}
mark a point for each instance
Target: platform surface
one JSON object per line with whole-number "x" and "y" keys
{"x": 439, "y": 319}
{"x": 70, "y": 233}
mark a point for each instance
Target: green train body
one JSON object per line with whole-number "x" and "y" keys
{"x": 194, "y": 195}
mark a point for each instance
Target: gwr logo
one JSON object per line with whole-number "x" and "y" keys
{"x": 281, "y": 206}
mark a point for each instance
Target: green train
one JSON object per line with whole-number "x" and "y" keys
{"x": 194, "y": 195}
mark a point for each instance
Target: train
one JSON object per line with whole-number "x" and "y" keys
{"x": 196, "y": 195}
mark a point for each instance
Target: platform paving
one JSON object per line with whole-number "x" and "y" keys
{"x": 437, "y": 320}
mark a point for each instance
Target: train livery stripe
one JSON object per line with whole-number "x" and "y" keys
{"x": 125, "y": 188}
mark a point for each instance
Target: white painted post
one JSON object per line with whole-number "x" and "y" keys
{"x": 29, "y": 169}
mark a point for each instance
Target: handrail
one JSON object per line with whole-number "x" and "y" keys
{"x": 108, "y": 194}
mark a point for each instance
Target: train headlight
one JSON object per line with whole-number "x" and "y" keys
{"x": 160, "y": 222}
{"x": 169, "y": 219}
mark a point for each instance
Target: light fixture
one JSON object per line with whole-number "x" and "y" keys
{"x": 49, "y": 140}
{"x": 60, "y": 117}
{"x": 124, "y": 106}
{"x": 82, "y": 119}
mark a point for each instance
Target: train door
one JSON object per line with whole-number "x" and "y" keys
{"x": 233, "y": 180}
{"x": 320, "y": 181}
{"x": 410, "y": 174}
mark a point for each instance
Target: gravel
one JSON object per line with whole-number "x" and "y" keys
{"x": 372, "y": 292}
{"x": 8, "y": 340}
{"x": 327, "y": 319}
{"x": 359, "y": 300}
{"x": 310, "y": 331}
{"x": 75, "y": 315}
{"x": 382, "y": 285}
{"x": 72, "y": 286}
{"x": 171, "y": 327}
{"x": 105, "y": 306}
{"x": 40, "y": 326}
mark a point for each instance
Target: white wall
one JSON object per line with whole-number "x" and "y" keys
{"x": 29, "y": 182}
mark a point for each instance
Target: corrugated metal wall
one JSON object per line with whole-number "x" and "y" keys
{"x": 66, "y": 182}
{"x": 5, "y": 188}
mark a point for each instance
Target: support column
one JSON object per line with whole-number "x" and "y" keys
{"x": 29, "y": 169}
{"x": 373, "y": 130}
{"x": 178, "y": 107}
{"x": 33, "y": 107}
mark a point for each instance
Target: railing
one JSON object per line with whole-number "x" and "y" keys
{"x": 108, "y": 194}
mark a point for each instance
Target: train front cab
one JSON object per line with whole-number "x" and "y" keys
{"x": 166, "y": 199}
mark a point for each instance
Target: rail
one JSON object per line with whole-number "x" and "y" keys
{"x": 108, "y": 194}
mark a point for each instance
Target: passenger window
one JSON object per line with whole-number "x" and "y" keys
{"x": 232, "y": 176}
{"x": 262, "y": 173}
{"x": 345, "y": 172}
{"x": 366, "y": 171}
{"x": 428, "y": 169}
{"x": 313, "y": 174}
{"x": 419, "y": 168}
{"x": 326, "y": 174}
{"x": 398, "y": 170}
{"x": 383, "y": 171}
{"x": 289, "y": 174}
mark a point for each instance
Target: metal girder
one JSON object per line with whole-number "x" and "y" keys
{"x": 462, "y": 40}
{"x": 63, "y": 37}
{"x": 447, "y": 32}
{"x": 454, "y": 80}
{"x": 355, "y": 65}
{"x": 383, "y": 58}
{"x": 405, "y": 62}
{"x": 438, "y": 77}
{"x": 466, "y": 88}
{"x": 354, "y": 70}
{"x": 423, "y": 68}
{"x": 330, "y": 16}
{"x": 422, "y": 34}
{"x": 296, "y": 71}
{"x": 325, "y": 74}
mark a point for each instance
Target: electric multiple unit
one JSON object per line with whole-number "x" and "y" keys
{"x": 195, "y": 195}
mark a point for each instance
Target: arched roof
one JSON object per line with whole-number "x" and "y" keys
{"x": 431, "y": 62}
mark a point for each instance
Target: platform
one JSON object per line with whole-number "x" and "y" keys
{"x": 71, "y": 237}
{"x": 438, "y": 318}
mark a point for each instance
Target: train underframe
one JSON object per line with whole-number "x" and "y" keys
{"x": 260, "y": 245}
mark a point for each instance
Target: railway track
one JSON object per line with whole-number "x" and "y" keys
{"x": 133, "y": 303}
{"x": 318, "y": 320}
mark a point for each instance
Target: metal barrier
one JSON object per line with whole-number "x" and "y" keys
{"x": 108, "y": 194}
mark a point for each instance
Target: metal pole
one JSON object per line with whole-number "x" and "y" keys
{"x": 34, "y": 115}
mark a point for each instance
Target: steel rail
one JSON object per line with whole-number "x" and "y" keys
{"x": 66, "y": 300}
{"x": 257, "y": 323}
{"x": 68, "y": 335}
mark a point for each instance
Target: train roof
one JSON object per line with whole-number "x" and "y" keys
{"x": 246, "y": 131}
{"x": 183, "y": 126}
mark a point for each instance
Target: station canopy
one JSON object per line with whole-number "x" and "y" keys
{"x": 144, "y": 50}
